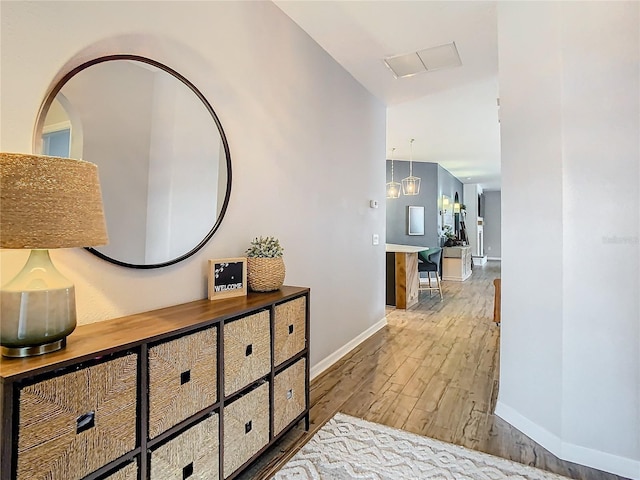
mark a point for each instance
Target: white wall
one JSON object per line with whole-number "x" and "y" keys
{"x": 300, "y": 131}
{"x": 570, "y": 117}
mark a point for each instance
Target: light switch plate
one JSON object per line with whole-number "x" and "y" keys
{"x": 375, "y": 239}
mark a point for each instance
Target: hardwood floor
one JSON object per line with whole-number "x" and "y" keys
{"x": 432, "y": 371}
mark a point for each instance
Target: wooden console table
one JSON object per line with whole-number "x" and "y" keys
{"x": 402, "y": 274}
{"x": 195, "y": 390}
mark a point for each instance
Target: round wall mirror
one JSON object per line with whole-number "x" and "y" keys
{"x": 162, "y": 156}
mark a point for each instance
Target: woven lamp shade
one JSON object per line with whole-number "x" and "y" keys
{"x": 49, "y": 202}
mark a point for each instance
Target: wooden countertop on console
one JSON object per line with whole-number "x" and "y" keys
{"x": 101, "y": 338}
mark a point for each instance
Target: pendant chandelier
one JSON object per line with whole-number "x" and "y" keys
{"x": 411, "y": 184}
{"x": 393, "y": 188}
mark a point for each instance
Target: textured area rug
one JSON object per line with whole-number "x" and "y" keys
{"x": 348, "y": 448}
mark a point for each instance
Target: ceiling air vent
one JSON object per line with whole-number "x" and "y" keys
{"x": 427, "y": 60}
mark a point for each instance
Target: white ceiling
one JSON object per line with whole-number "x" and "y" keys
{"x": 451, "y": 113}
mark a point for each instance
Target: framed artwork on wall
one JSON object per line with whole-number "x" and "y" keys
{"x": 415, "y": 220}
{"x": 227, "y": 278}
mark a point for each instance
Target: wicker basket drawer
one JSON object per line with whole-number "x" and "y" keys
{"x": 247, "y": 351}
{"x": 290, "y": 331}
{"x": 128, "y": 472}
{"x": 246, "y": 428}
{"x": 193, "y": 454}
{"x": 289, "y": 399}
{"x": 182, "y": 379}
{"x": 75, "y": 423}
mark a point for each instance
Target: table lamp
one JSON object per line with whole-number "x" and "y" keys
{"x": 45, "y": 202}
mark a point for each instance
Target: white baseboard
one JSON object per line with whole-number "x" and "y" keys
{"x": 570, "y": 452}
{"x": 479, "y": 261}
{"x": 541, "y": 435}
{"x": 325, "y": 363}
{"x": 499, "y": 259}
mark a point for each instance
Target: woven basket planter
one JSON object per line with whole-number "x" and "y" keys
{"x": 265, "y": 274}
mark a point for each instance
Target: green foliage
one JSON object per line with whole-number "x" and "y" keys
{"x": 448, "y": 232}
{"x": 267, "y": 247}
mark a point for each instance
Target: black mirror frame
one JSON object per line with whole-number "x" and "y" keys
{"x": 56, "y": 89}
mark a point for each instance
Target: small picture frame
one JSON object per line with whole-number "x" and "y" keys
{"x": 227, "y": 277}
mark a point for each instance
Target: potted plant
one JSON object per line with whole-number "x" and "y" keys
{"x": 451, "y": 238}
{"x": 265, "y": 265}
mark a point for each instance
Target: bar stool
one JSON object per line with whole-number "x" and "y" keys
{"x": 429, "y": 261}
